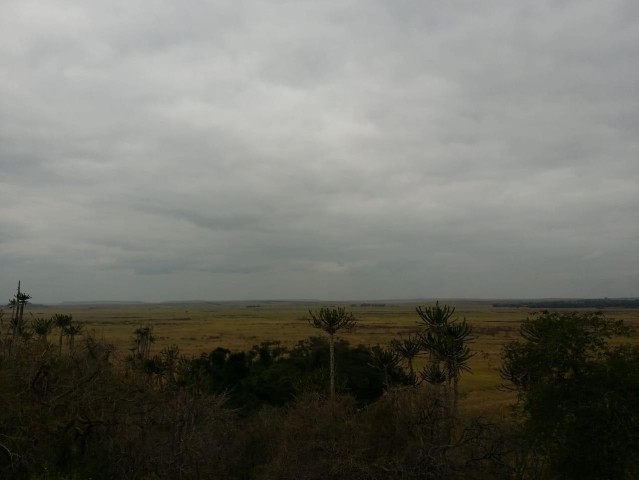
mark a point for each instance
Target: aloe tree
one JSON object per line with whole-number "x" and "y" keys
{"x": 446, "y": 341}
{"x": 435, "y": 318}
{"x": 71, "y": 331}
{"x": 17, "y": 304}
{"x": 42, "y": 328}
{"x": 23, "y": 299}
{"x": 386, "y": 360}
{"x": 331, "y": 321}
{"x": 61, "y": 321}
{"x": 408, "y": 348}
{"x": 450, "y": 351}
{"x": 143, "y": 340}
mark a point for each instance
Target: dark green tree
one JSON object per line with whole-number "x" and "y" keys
{"x": 446, "y": 341}
{"x": 61, "y": 321}
{"x": 408, "y": 349}
{"x": 578, "y": 393}
{"x": 143, "y": 338}
{"x": 42, "y": 328}
{"x": 387, "y": 361}
{"x": 435, "y": 318}
{"x": 17, "y": 304}
{"x": 71, "y": 331}
{"x": 331, "y": 321}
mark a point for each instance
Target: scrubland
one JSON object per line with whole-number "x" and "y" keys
{"x": 200, "y": 327}
{"x": 238, "y": 390}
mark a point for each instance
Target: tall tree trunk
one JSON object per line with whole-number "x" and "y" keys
{"x": 411, "y": 370}
{"x": 454, "y": 372}
{"x": 15, "y": 323}
{"x": 331, "y": 344}
{"x": 455, "y": 395}
{"x": 15, "y": 336}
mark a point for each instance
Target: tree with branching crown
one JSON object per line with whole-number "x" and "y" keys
{"x": 17, "y": 304}
{"x": 331, "y": 321}
{"x": 446, "y": 341}
{"x": 408, "y": 349}
{"x": 61, "y": 321}
{"x": 42, "y": 328}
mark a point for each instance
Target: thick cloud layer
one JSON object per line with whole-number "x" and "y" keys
{"x": 159, "y": 150}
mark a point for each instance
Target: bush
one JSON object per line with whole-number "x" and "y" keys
{"x": 578, "y": 394}
{"x": 269, "y": 374}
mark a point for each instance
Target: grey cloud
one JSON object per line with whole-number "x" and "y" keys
{"x": 333, "y": 149}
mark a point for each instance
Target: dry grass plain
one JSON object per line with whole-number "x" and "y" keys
{"x": 201, "y": 327}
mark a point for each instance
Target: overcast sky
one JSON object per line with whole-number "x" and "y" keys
{"x": 334, "y": 149}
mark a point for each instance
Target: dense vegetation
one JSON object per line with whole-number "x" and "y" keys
{"x": 579, "y": 394}
{"x": 69, "y": 409}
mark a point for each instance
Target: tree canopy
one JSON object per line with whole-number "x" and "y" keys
{"x": 579, "y": 391}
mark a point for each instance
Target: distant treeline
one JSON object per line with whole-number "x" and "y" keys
{"x": 574, "y": 303}
{"x": 369, "y": 305}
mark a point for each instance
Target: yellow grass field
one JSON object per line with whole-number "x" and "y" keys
{"x": 201, "y": 327}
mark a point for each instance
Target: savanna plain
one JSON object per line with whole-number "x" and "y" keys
{"x": 308, "y": 390}
{"x": 201, "y": 327}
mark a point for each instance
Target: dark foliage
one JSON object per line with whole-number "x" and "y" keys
{"x": 77, "y": 416}
{"x": 271, "y": 374}
{"x": 578, "y": 393}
